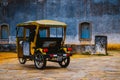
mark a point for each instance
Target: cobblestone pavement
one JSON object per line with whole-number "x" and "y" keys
{"x": 93, "y": 68}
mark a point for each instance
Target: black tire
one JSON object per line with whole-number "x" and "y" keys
{"x": 22, "y": 60}
{"x": 65, "y": 62}
{"x": 39, "y": 61}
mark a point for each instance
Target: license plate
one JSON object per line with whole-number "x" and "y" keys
{"x": 59, "y": 58}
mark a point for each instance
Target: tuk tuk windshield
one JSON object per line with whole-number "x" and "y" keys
{"x": 52, "y": 32}
{"x": 56, "y": 32}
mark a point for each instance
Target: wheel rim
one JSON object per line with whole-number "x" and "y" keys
{"x": 65, "y": 61}
{"x": 39, "y": 61}
{"x": 22, "y": 60}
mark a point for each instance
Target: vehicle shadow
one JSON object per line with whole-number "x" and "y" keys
{"x": 52, "y": 67}
{"x": 30, "y": 66}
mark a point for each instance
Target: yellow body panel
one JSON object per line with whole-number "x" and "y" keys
{"x": 19, "y": 48}
{"x": 32, "y": 50}
{"x": 66, "y": 51}
{"x": 41, "y": 50}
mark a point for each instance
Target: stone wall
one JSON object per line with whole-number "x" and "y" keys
{"x": 104, "y": 15}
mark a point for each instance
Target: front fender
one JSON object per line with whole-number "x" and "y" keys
{"x": 41, "y": 50}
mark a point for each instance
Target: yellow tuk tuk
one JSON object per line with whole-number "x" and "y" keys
{"x": 41, "y": 41}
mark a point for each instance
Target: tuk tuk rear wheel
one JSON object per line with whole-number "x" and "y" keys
{"x": 39, "y": 61}
{"x": 65, "y": 62}
{"x": 22, "y": 60}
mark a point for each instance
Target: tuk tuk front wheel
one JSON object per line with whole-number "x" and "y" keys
{"x": 65, "y": 62}
{"x": 39, "y": 61}
{"x": 22, "y": 60}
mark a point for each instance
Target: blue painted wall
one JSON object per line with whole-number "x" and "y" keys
{"x": 104, "y": 15}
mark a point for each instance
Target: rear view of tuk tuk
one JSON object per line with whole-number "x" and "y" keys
{"x": 42, "y": 41}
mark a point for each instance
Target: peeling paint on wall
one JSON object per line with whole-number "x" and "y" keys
{"x": 104, "y": 16}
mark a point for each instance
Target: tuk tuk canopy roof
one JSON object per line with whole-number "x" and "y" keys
{"x": 42, "y": 23}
